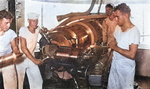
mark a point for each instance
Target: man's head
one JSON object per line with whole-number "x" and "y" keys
{"x": 109, "y": 9}
{"x": 5, "y": 20}
{"x": 122, "y": 13}
{"x": 33, "y": 19}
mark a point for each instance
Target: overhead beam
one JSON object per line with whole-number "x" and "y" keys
{"x": 89, "y": 1}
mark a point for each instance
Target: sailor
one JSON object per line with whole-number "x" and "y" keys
{"x": 27, "y": 43}
{"x": 7, "y": 46}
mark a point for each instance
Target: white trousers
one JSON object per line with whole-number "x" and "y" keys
{"x": 9, "y": 77}
{"x": 121, "y": 74}
{"x": 33, "y": 74}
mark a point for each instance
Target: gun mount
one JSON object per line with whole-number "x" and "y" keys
{"x": 75, "y": 46}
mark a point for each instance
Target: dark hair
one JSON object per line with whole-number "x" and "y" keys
{"x": 123, "y": 8}
{"x": 5, "y": 14}
{"x": 110, "y": 5}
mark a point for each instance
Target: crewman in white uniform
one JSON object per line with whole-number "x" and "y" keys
{"x": 28, "y": 40}
{"x": 125, "y": 47}
{"x": 7, "y": 46}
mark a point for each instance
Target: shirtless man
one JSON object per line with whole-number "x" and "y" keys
{"x": 108, "y": 25}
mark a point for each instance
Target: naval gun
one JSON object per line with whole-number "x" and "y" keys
{"x": 75, "y": 46}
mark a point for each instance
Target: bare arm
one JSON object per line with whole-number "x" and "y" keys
{"x": 26, "y": 51}
{"x": 14, "y": 46}
{"x": 104, "y": 32}
{"x": 127, "y": 53}
{"x": 16, "y": 52}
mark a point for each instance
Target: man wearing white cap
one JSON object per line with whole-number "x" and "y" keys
{"x": 28, "y": 39}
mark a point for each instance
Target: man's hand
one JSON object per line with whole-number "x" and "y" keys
{"x": 17, "y": 55}
{"x": 113, "y": 45}
{"x": 17, "y": 58}
{"x": 38, "y": 62}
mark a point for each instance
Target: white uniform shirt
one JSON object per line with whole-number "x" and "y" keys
{"x": 27, "y": 66}
{"x": 5, "y": 45}
{"x": 124, "y": 39}
{"x": 122, "y": 68}
{"x": 31, "y": 38}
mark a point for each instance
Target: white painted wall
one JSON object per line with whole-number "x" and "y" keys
{"x": 139, "y": 14}
{"x": 3, "y": 4}
{"x": 51, "y": 10}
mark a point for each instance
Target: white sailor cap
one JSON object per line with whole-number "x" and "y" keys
{"x": 33, "y": 16}
{"x": 110, "y": 4}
